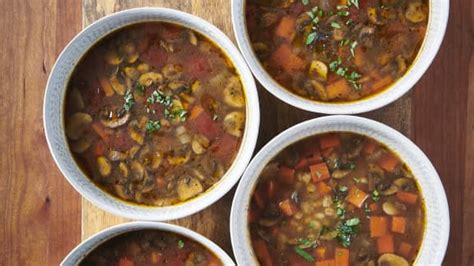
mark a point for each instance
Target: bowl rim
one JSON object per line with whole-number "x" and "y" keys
{"x": 437, "y": 221}
{"x": 54, "y": 99}
{"x": 85, "y": 247}
{"x": 436, "y": 29}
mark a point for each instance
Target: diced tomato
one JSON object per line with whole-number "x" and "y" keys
{"x": 198, "y": 67}
{"x": 204, "y": 124}
{"x": 224, "y": 147}
{"x": 287, "y": 175}
{"x": 155, "y": 56}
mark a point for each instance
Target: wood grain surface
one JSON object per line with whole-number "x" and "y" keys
{"x": 41, "y": 214}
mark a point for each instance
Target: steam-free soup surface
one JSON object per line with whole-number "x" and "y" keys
{"x": 336, "y": 199}
{"x": 150, "y": 247}
{"x": 155, "y": 114}
{"x": 336, "y": 50}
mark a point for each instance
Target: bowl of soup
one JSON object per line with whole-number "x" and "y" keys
{"x": 340, "y": 190}
{"x": 147, "y": 243}
{"x": 339, "y": 57}
{"x": 151, "y": 113}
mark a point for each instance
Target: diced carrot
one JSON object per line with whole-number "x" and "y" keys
{"x": 359, "y": 57}
{"x": 378, "y": 226}
{"x": 370, "y": 147}
{"x": 261, "y": 250}
{"x": 286, "y": 59}
{"x": 286, "y": 28}
{"x": 320, "y": 252}
{"x": 385, "y": 244}
{"x": 100, "y": 130}
{"x": 302, "y": 163}
{"x": 106, "y": 87}
{"x": 382, "y": 83}
{"x": 257, "y": 196}
{"x": 342, "y": 257}
{"x": 407, "y": 197}
{"x": 404, "y": 249}
{"x": 329, "y": 141}
{"x": 373, "y": 207}
{"x": 287, "y": 175}
{"x": 343, "y": 2}
{"x": 325, "y": 263}
{"x": 315, "y": 157}
{"x": 195, "y": 112}
{"x": 323, "y": 188}
{"x": 356, "y": 196}
{"x": 338, "y": 89}
{"x": 388, "y": 162}
{"x": 125, "y": 262}
{"x": 319, "y": 172}
{"x": 287, "y": 207}
{"x": 99, "y": 149}
{"x": 155, "y": 257}
{"x": 271, "y": 188}
{"x": 399, "y": 224}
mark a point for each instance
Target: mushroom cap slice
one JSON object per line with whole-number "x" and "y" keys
{"x": 116, "y": 122}
{"x": 188, "y": 188}
{"x": 389, "y": 259}
{"x": 233, "y": 94}
{"x": 77, "y": 124}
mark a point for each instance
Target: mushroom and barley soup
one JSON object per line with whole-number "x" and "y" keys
{"x": 336, "y": 50}
{"x": 150, "y": 247}
{"x": 336, "y": 199}
{"x": 155, "y": 114}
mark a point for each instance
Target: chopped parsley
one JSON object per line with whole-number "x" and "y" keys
{"x": 335, "y": 25}
{"x": 344, "y": 42}
{"x": 375, "y": 195}
{"x": 357, "y": 180}
{"x": 353, "y": 46}
{"x": 304, "y": 254}
{"x": 152, "y": 126}
{"x": 367, "y": 209}
{"x": 353, "y": 3}
{"x": 340, "y": 211}
{"x": 307, "y": 243}
{"x": 305, "y": 2}
{"x": 347, "y": 230}
{"x": 311, "y": 37}
{"x": 180, "y": 244}
{"x": 314, "y": 14}
{"x": 139, "y": 87}
{"x": 129, "y": 100}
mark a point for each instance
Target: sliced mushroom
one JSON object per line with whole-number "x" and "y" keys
{"x": 118, "y": 87}
{"x": 260, "y": 47}
{"x": 233, "y": 123}
{"x": 199, "y": 144}
{"x": 104, "y": 166}
{"x": 116, "y": 156}
{"x": 76, "y": 100}
{"x": 149, "y": 78}
{"x": 389, "y": 259}
{"x": 172, "y": 71}
{"x": 77, "y": 124}
{"x": 132, "y": 58}
{"x": 123, "y": 192}
{"x": 153, "y": 160}
{"x": 318, "y": 68}
{"x": 143, "y": 68}
{"x": 112, "y": 58}
{"x": 373, "y": 16}
{"x": 391, "y": 208}
{"x": 116, "y": 122}
{"x": 131, "y": 72}
{"x": 135, "y": 135}
{"x": 366, "y": 36}
{"x": 188, "y": 187}
{"x": 338, "y": 174}
{"x": 416, "y": 12}
{"x": 178, "y": 86}
{"x": 133, "y": 151}
{"x": 179, "y": 156}
{"x": 233, "y": 94}
{"x": 402, "y": 64}
{"x": 192, "y": 38}
{"x": 123, "y": 169}
{"x": 317, "y": 87}
{"x": 81, "y": 145}
{"x": 196, "y": 86}
{"x": 404, "y": 183}
{"x": 137, "y": 170}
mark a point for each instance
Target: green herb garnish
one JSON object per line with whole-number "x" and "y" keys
{"x": 353, "y": 46}
{"x": 305, "y": 2}
{"x": 152, "y": 126}
{"x": 129, "y": 101}
{"x": 139, "y": 87}
{"x": 347, "y": 230}
{"x": 180, "y": 244}
{"x": 304, "y": 254}
{"x": 353, "y": 3}
{"x": 306, "y": 243}
{"x": 375, "y": 195}
{"x": 335, "y": 25}
{"x": 311, "y": 37}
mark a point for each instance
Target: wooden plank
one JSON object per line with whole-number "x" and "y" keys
{"x": 439, "y": 120}
{"x": 40, "y": 212}
{"x": 213, "y": 221}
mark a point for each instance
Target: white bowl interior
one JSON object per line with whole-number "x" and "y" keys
{"x": 438, "y": 19}
{"x": 83, "y": 249}
{"x": 54, "y": 114}
{"x": 436, "y": 232}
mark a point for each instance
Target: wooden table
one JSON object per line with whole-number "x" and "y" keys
{"x": 43, "y": 218}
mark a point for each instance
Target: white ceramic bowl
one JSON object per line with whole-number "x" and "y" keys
{"x": 436, "y": 233}
{"x": 54, "y": 114}
{"x": 83, "y": 249}
{"x": 438, "y": 19}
